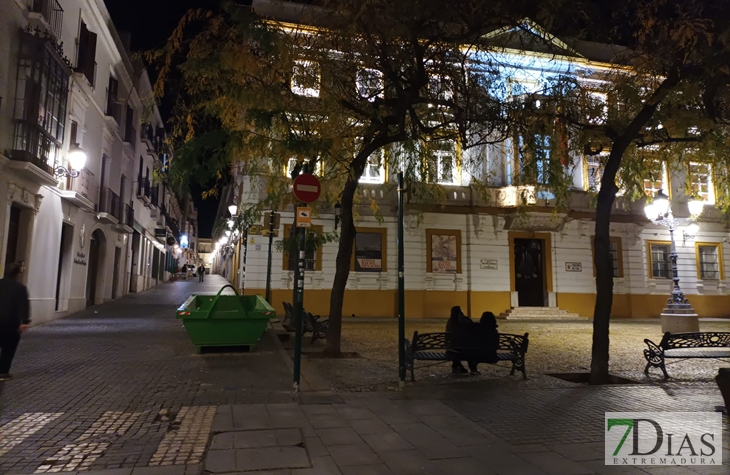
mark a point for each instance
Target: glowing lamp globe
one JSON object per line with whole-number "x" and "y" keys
{"x": 696, "y": 206}
{"x": 233, "y": 209}
{"x": 76, "y": 157}
{"x": 651, "y": 212}
{"x": 661, "y": 203}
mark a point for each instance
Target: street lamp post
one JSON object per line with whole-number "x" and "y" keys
{"x": 678, "y": 316}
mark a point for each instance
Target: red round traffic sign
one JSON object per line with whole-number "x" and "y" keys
{"x": 307, "y": 188}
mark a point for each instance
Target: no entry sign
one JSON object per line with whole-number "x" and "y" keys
{"x": 307, "y": 188}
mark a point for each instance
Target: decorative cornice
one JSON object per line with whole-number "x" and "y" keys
{"x": 18, "y": 194}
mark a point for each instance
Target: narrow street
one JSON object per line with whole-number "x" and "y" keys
{"x": 130, "y": 356}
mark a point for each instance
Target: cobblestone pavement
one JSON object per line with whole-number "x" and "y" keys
{"x": 119, "y": 390}
{"x": 89, "y": 389}
{"x": 555, "y": 347}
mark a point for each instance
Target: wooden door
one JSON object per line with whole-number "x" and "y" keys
{"x": 92, "y": 277}
{"x": 530, "y": 272}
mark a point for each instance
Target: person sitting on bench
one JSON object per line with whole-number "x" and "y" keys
{"x": 488, "y": 339}
{"x": 475, "y": 342}
{"x": 460, "y": 327}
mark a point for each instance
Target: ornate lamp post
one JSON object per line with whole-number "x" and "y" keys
{"x": 678, "y": 316}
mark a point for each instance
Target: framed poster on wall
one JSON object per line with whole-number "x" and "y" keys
{"x": 443, "y": 249}
{"x": 370, "y": 250}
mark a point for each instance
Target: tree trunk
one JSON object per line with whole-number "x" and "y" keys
{"x": 371, "y": 143}
{"x": 602, "y": 240}
{"x": 604, "y": 285}
{"x": 342, "y": 269}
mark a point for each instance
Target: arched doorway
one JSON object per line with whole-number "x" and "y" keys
{"x": 94, "y": 278}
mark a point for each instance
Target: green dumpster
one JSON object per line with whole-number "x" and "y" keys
{"x": 225, "y": 320}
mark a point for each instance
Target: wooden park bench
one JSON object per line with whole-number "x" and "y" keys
{"x": 433, "y": 347}
{"x": 313, "y": 324}
{"x": 714, "y": 345}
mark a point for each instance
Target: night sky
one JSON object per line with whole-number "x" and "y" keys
{"x": 151, "y": 22}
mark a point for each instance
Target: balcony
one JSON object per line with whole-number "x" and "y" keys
{"x": 154, "y": 193}
{"x": 173, "y": 227}
{"x": 151, "y": 138}
{"x": 49, "y": 13}
{"x": 130, "y": 135}
{"x": 114, "y": 110}
{"x": 143, "y": 190}
{"x": 126, "y": 223}
{"x": 161, "y": 215}
{"x": 76, "y": 190}
{"x": 35, "y": 153}
{"x": 147, "y": 134}
{"x": 109, "y": 208}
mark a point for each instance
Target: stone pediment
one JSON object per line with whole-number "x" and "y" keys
{"x": 529, "y": 36}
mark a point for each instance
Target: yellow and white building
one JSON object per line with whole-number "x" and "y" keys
{"x": 492, "y": 254}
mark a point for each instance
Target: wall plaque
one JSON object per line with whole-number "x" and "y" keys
{"x": 489, "y": 264}
{"x": 574, "y": 267}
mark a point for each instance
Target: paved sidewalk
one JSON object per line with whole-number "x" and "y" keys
{"x": 370, "y": 434}
{"x": 119, "y": 390}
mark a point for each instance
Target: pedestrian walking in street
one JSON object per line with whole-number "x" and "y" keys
{"x": 14, "y": 316}
{"x": 201, "y": 273}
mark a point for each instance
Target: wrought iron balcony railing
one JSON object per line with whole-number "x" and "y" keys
{"x": 130, "y": 134}
{"x": 154, "y": 193}
{"x": 127, "y": 215}
{"x": 143, "y": 187}
{"x": 51, "y": 12}
{"x": 34, "y": 145}
{"x": 109, "y": 203}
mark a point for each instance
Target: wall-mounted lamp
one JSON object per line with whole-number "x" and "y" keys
{"x": 690, "y": 233}
{"x": 76, "y": 159}
{"x": 233, "y": 209}
{"x": 338, "y": 214}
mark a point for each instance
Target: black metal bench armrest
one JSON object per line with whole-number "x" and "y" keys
{"x": 515, "y": 343}
{"x": 654, "y": 349}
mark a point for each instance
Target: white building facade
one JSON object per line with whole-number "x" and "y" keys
{"x": 68, "y": 81}
{"x": 491, "y": 254}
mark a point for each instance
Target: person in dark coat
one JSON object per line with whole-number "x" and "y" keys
{"x": 459, "y": 327}
{"x": 488, "y": 334}
{"x": 201, "y": 273}
{"x": 14, "y": 317}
